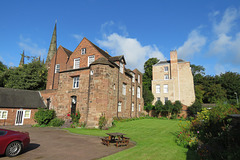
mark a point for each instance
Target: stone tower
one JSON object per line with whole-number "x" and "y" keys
{"x": 53, "y": 47}
{"x": 22, "y": 60}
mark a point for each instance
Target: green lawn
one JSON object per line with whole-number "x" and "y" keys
{"x": 155, "y": 139}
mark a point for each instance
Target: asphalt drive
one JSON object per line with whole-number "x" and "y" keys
{"x": 58, "y": 144}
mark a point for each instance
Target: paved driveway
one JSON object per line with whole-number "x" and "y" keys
{"x": 57, "y": 144}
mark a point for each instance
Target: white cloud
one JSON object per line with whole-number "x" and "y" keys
{"x": 192, "y": 45}
{"x": 226, "y": 46}
{"x": 227, "y": 22}
{"x": 134, "y": 53}
{"x": 77, "y": 37}
{"x": 29, "y": 47}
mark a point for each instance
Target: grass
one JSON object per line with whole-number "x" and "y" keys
{"x": 155, "y": 139}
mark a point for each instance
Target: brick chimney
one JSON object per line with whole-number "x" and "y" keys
{"x": 173, "y": 56}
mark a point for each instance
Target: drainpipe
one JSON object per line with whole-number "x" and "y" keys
{"x": 118, "y": 91}
{"x": 89, "y": 81}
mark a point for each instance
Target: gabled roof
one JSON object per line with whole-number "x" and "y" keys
{"x": 105, "y": 54}
{"x": 16, "y": 98}
{"x": 117, "y": 58}
{"x": 68, "y": 52}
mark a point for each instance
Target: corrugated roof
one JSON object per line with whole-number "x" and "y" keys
{"x": 16, "y": 98}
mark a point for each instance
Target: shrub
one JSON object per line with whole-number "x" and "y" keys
{"x": 76, "y": 117}
{"x": 44, "y": 116}
{"x": 102, "y": 121}
{"x": 56, "y": 122}
{"x": 194, "y": 108}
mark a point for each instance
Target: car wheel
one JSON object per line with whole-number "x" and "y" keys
{"x": 13, "y": 149}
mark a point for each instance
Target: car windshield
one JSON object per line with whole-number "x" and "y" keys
{"x": 2, "y": 133}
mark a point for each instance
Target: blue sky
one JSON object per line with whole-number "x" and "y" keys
{"x": 203, "y": 32}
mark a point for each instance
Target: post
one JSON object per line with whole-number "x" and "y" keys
{"x": 236, "y": 96}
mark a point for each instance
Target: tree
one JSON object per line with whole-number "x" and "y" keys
{"x": 158, "y": 106}
{"x": 230, "y": 81}
{"x": 194, "y": 108}
{"x": 147, "y": 76}
{"x": 30, "y": 76}
{"x": 147, "y": 95}
{"x": 199, "y": 92}
{"x": 215, "y": 93}
{"x": 168, "y": 107}
{"x": 3, "y": 69}
{"x": 177, "y": 107}
{"x": 148, "y": 107}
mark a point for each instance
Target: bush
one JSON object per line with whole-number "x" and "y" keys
{"x": 76, "y": 117}
{"x": 44, "y": 116}
{"x": 194, "y": 108}
{"x": 102, "y": 121}
{"x": 56, "y": 122}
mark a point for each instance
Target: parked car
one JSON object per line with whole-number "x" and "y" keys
{"x": 13, "y": 142}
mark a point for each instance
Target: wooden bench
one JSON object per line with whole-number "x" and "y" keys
{"x": 105, "y": 141}
{"x": 123, "y": 141}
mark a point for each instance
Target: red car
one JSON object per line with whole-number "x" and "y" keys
{"x": 13, "y": 142}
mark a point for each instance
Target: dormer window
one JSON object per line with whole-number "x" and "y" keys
{"x": 121, "y": 67}
{"x": 133, "y": 77}
{"x": 83, "y": 51}
{"x": 138, "y": 78}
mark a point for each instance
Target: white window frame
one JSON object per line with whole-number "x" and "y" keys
{"x": 138, "y": 92}
{"x": 132, "y": 107}
{"x": 76, "y": 64}
{"x": 75, "y": 82}
{"x": 92, "y": 59}
{"x": 1, "y": 114}
{"x": 133, "y": 78}
{"x": 166, "y": 69}
{"x": 165, "y": 88}
{"x": 119, "y": 106}
{"x": 124, "y": 89}
{"x": 25, "y": 114}
{"x": 139, "y": 107}
{"x": 83, "y": 51}
{"x": 158, "y": 88}
{"x": 57, "y": 68}
{"x": 139, "y": 78}
{"x": 121, "y": 67}
{"x": 166, "y": 77}
{"x": 133, "y": 90}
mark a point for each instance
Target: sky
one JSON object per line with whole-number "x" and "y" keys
{"x": 203, "y": 32}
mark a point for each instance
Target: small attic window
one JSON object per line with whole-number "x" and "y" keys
{"x": 83, "y": 51}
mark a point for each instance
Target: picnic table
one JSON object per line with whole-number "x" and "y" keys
{"x": 117, "y": 138}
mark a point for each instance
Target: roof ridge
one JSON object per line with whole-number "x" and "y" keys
{"x": 105, "y": 54}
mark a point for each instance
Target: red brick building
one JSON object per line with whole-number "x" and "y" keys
{"x": 17, "y": 107}
{"x": 92, "y": 82}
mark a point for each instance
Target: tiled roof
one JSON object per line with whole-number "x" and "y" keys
{"x": 105, "y": 54}
{"x": 68, "y": 52}
{"x": 102, "y": 60}
{"x": 16, "y": 98}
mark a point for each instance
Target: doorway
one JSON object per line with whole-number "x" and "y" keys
{"x": 19, "y": 117}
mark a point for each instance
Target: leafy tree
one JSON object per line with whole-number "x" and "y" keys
{"x": 148, "y": 107}
{"x": 194, "y": 108}
{"x": 158, "y": 106}
{"x": 168, "y": 107}
{"x": 147, "y": 76}
{"x": 199, "y": 92}
{"x": 215, "y": 93}
{"x": 30, "y": 76}
{"x": 230, "y": 81}
{"x": 147, "y": 95}
{"x": 177, "y": 107}
{"x": 3, "y": 69}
